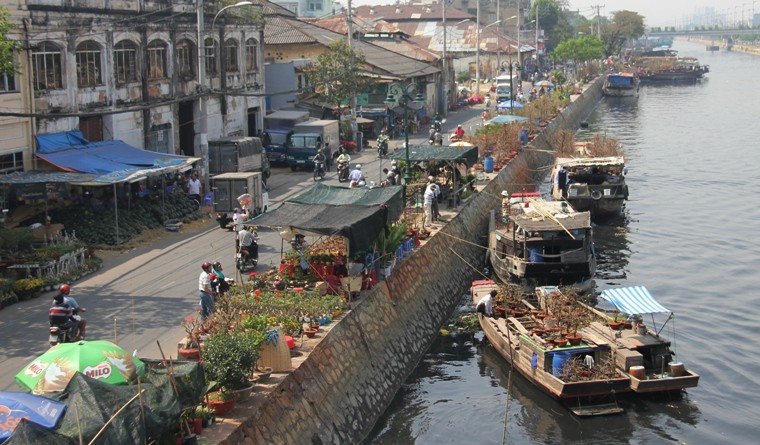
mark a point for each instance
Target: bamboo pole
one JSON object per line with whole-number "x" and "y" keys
{"x": 546, "y": 213}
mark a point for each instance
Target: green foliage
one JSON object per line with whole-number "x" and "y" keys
{"x": 228, "y": 358}
{"x": 27, "y": 286}
{"x": 580, "y": 49}
{"x": 463, "y": 76}
{"x": 334, "y": 74}
{"x": 15, "y": 241}
{"x": 624, "y": 26}
{"x": 8, "y": 47}
{"x": 390, "y": 238}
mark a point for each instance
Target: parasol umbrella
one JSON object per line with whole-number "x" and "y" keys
{"x": 544, "y": 83}
{"x": 98, "y": 359}
{"x": 507, "y": 104}
{"x": 507, "y": 119}
{"x": 15, "y": 406}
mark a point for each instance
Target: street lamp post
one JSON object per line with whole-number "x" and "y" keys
{"x": 498, "y": 41}
{"x": 203, "y": 110}
{"x": 401, "y": 95}
{"x": 477, "y": 51}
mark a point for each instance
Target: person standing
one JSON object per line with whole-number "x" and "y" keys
{"x": 194, "y": 188}
{"x": 427, "y": 198}
{"x": 224, "y": 286}
{"x": 205, "y": 291}
{"x": 328, "y": 156}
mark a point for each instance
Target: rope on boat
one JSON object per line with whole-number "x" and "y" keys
{"x": 469, "y": 264}
{"x": 463, "y": 240}
{"x": 546, "y": 213}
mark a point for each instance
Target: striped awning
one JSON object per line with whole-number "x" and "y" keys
{"x": 634, "y": 300}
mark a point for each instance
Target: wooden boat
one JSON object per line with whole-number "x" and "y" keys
{"x": 668, "y": 67}
{"x": 583, "y": 376}
{"x": 543, "y": 242}
{"x": 621, "y": 85}
{"x": 640, "y": 352}
{"x": 595, "y": 184}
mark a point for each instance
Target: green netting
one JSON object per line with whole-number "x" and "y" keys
{"x": 391, "y": 197}
{"x": 438, "y": 153}
{"x": 91, "y": 403}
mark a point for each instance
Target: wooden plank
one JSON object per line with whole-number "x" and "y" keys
{"x": 519, "y": 326}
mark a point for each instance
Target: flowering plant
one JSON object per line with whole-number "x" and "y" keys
{"x": 191, "y": 325}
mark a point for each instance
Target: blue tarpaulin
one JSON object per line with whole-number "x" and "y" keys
{"x": 103, "y": 157}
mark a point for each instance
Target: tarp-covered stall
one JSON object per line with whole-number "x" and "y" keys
{"x": 356, "y": 214}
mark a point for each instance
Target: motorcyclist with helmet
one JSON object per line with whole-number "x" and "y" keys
{"x": 342, "y": 162}
{"x": 65, "y": 313}
{"x": 356, "y": 176}
{"x": 247, "y": 242}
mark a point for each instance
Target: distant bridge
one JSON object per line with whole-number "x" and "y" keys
{"x": 703, "y": 33}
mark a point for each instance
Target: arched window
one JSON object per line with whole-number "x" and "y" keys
{"x": 125, "y": 62}
{"x": 48, "y": 71}
{"x": 251, "y": 55}
{"x": 231, "y": 55}
{"x": 210, "y": 52}
{"x": 157, "y": 60}
{"x": 88, "y": 64}
{"x": 185, "y": 65}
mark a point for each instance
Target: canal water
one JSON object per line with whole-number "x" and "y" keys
{"x": 690, "y": 235}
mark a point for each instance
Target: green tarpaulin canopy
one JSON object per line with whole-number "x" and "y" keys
{"x": 438, "y": 153}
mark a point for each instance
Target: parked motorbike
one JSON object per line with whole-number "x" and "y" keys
{"x": 342, "y": 171}
{"x": 319, "y": 170}
{"x": 247, "y": 258}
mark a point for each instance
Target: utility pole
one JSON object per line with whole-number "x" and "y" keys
{"x": 350, "y": 30}
{"x": 498, "y": 42}
{"x": 477, "y": 48}
{"x": 202, "y": 109}
{"x": 445, "y": 64}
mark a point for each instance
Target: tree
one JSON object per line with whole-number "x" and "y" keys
{"x": 581, "y": 49}
{"x": 549, "y": 14}
{"x": 335, "y": 74}
{"x": 625, "y": 25}
{"x": 8, "y": 46}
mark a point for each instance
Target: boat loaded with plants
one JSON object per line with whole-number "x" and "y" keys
{"x": 640, "y": 352}
{"x": 545, "y": 242}
{"x": 541, "y": 345}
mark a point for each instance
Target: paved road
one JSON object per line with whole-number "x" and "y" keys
{"x": 140, "y": 297}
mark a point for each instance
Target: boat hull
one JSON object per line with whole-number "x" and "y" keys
{"x": 533, "y": 362}
{"x": 663, "y": 385}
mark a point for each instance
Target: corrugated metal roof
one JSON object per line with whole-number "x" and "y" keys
{"x": 413, "y": 12}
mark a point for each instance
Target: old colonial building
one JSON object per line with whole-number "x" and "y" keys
{"x": 133, "y": 71}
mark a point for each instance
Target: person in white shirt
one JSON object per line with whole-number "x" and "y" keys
{"x": 194, "y": 187}
{"x": 205, "y": 291}
{"x": 431, "y": 192}
{"x": 356, "y": 176}
{"x": 485, "y": 305}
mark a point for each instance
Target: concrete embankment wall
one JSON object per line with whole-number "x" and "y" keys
{"x": 352, "y": 375}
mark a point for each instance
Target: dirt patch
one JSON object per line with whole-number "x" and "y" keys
{"x": 150, "y": 236}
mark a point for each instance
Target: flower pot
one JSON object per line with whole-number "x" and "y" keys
{"x": 574, "y": 339}
{"x": 190, "y": 354}
{"x": 615, "y": 325}
{"x": 222, "y": 407}
{"x": 499, "y": 311}
{"x": 264, "y": 374}
{"x": 310, "y": 332}
{"x": 244, "y": 394}
{"x": 197, "y": 425}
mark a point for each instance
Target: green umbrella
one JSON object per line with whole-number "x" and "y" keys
{"x": 98, "y": 359}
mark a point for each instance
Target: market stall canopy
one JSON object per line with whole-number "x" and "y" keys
{"x": 390, "y": 197}
{"x": 359, "y": 224}
{"x": 104, "y": 157}
{"x": 506, "y": 119}
{"x": 634, "y": 300}
{"x": 438, "y": 153}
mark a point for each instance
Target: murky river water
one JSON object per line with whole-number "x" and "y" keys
{"x": 690, "y": 236}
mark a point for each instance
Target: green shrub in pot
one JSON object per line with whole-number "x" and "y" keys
{"x": 229, "y": 357}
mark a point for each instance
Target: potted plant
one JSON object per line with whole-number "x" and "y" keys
{"x": 190, "y": 348}
{"x": 228, "y": 359}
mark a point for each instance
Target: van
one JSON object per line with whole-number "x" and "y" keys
{"x": 238, "y": 154}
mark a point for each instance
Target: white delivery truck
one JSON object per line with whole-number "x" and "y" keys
{"x": 228, "y": 187}
{"x": 504, "y": 85}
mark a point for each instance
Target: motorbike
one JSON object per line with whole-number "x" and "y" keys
{"x": 60, "y": 334}
{"x": 382, "y": 146}
{"x": 438, "y": 125}
{"x": 531, "y": 96}
{"x": 245, "y": 259}
{"x": 319, "y": 170}
{"x": 342, "y": 171}
{"x": 488, "y": 101}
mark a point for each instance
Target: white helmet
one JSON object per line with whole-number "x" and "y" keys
{"x": 358, "y": 166}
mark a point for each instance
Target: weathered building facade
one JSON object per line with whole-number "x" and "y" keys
{"x": 130, "y": 70}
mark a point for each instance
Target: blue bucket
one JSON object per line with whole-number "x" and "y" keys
{"x": 558, "y": 362}
{"x": 488, "y": 164}
{"x": 535, "y": 255}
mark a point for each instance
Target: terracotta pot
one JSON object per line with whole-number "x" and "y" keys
{"x": 539, "y": 331}
{"x": 519, "y": 312}
{"x": 191, "y": 354}
{"x": 575, "y": 339}
{"x": 559, "y": 342}
{"x": 499, "y": 311}
{"x": 310, "y": 332}
{"x": 197, "y": 425}
{"x": 222, "y": 407}
{"x": 615, "y": 325}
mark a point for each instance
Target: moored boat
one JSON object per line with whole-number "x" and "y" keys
{"x": 583, "y": 376}
{"x": 595, "y": 184}
{"x": 640, "y": 352}
{"x": 621, "y": 85}
{"x": 543, "y": 242}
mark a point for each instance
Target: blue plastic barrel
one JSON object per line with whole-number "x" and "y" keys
{"x": 558, "y": 362}
{"x": 488, "y": 164}
{"x": 535, "y": 255}
{"x": 523, "y": 138}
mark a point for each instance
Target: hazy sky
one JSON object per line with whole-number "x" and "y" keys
{"x": 670, "y": 12}
{"x": 655, "y": 12}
